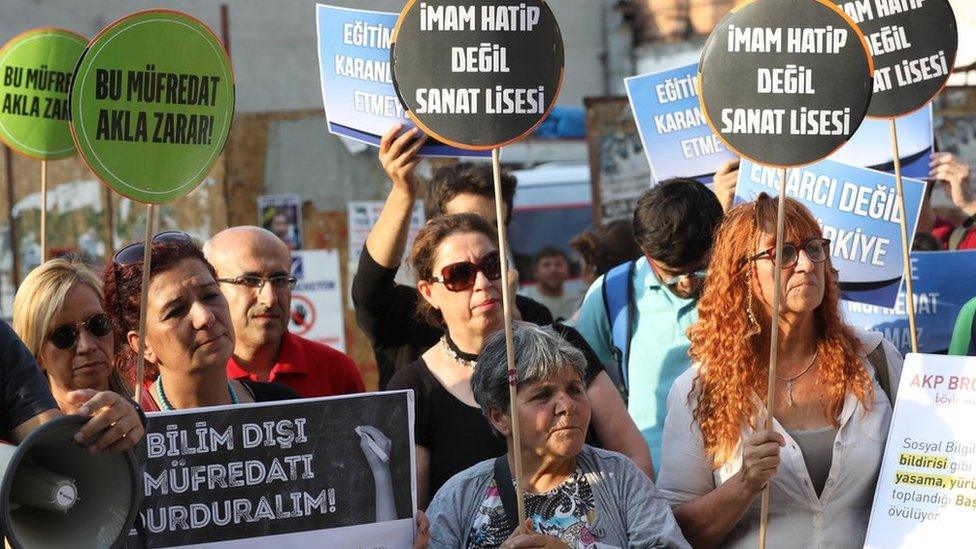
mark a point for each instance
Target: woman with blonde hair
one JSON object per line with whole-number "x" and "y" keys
{"x": 835, "y": 387}
{"x": 58, "y": 315}
{"x": 49, "y": 294}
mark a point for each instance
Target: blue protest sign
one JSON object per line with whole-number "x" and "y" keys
{"x": 938, "y": 281}
{"x": 679, "y": 143}
{"x": 675, "y": 134}
{"x": 871, "y": 144}
{"x": 857, "y": 209}
{"x": 357, "y": 85}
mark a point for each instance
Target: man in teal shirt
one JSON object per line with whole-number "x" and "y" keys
{"x": 674, "y": 224}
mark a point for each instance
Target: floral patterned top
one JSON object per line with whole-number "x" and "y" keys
{"x": 565, "y": 512}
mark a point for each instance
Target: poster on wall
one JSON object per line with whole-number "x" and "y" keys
{"x": 322, "y": 472}
{"x": 619, "y": 171}
{"x": 362, "y": 216}
{"x": 282, "y": 215}
{"x": 316, "y": 301}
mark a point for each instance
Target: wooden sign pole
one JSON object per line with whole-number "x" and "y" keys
{"x": 507, "y": 303}
{"x": 146, "y": 264}
{"x": 773, "y": 342}
{"x": 43, "y": 211}
{"x": 905, "y": 244}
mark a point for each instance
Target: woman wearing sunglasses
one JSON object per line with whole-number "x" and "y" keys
{"x": 189, "y": 335}
{"x": 834, "y": 391}
{"x": 456, "y": 261}
{"x": 58, "y": 315}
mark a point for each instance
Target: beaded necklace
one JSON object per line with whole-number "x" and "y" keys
{"x": 165, "y": 405}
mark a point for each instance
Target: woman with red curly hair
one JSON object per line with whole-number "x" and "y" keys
{"x": 830, "y": 421}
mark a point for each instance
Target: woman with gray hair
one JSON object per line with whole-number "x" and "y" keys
{"x": 575, "y": 495}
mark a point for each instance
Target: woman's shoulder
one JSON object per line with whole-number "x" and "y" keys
{"x": 868, "y": 340}
{"x": 462, "y": 488}
{"x": 605, "y": 461}
{"x": 269, "y": 392}
{"x": 414, "y": 376}
{"x": 686, "y": 381}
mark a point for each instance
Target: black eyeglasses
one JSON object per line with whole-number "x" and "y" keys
{"x": 65, "y": 337}
{"x": 462, "y": 275}
{"x": 817, "y": 249}
{"x": 278, "y": 282}
{"x": 133, "y": 253}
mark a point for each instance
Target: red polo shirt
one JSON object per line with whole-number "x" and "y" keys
{"x": 310, "y": 368}
{"x": 943, "y": 231}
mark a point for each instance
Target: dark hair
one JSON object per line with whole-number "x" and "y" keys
{"x": 675, "y": 222}
{"x": 423, "y": 255}
{"x": 926, "y": 242}
{"x": 123, "y": 291}
{"x": 606, "y": 246}
{"x": 549, "y": 251}
{"x": 466, "y": 178}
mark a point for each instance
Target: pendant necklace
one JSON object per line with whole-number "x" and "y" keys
{"x": 790, "y": 380}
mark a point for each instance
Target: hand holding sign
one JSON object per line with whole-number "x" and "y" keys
{"x": 479, "y": 75}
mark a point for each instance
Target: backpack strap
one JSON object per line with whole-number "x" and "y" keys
{"x": 506, "y": 490}
{"x": 618, "y": 294}
{"x": 956, "y": 237}
{"x": 879, "y": 361}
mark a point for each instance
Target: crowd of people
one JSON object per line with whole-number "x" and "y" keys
{"x": 639, "y": 404}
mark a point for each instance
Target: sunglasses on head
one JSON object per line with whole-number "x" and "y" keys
{"x": 817, "y": 250}
{"x": 462, "y": 275}
{"x": 133, "y": 253}
{"x": 65, "y": 337}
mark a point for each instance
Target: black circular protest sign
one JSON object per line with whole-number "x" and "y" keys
{"x": 913, "y": 43}
{"x": 477, "y": 74}
{"x": 785, "y": 82}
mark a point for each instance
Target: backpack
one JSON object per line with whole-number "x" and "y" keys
{"x": 879, "y": 361}
{"x": 618, "y": 295}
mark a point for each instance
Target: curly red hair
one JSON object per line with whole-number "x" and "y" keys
{"x": 726, "y": 345}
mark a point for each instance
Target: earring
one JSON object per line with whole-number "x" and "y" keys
{"x": 754, "y": 327}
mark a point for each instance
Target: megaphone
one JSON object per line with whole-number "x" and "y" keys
{"x": 54, "y": 493}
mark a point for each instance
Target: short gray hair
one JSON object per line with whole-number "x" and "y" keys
{"x": 540, "y": 353}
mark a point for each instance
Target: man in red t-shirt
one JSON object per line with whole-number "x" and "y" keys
{"x": 254, "y": 270}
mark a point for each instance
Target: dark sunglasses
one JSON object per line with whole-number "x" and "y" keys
{"x": 461, "y": 276}
{"x": 133, "y": 253}
{"x": 65, "y": 337}
{"x": 817, "y": 249}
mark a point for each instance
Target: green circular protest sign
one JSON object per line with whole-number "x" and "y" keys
{"x": 35, "y": 78}
{"x": 152, "y": 103}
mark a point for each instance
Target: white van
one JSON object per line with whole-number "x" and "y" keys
{"x": 552, "y": 205}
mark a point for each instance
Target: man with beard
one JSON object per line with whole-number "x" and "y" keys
{"x": 254, "y": 271}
